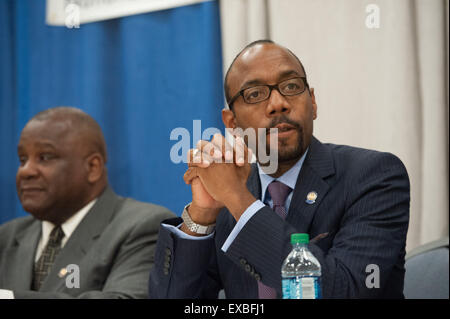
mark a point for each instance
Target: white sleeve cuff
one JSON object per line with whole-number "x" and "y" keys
{"x": 249, "y": 212}
{"x": 181, "y": 234}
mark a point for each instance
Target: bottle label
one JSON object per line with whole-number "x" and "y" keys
{"x": 301, "y": 287}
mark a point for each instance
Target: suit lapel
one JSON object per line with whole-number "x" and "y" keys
{"x": 254, "y": 183}
{"x": 82, "y": 238}
{"x": 317, "y": 166}
{"x": 19, "y": 273}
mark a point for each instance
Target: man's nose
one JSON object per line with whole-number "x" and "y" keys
{"x": 277, "y": 104}
{"x": 28, "y": 170}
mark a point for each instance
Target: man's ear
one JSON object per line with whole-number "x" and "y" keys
{"x": 314, "y": 104}
{"x": 228, "y": 118}
{"x": 95, "y": 167}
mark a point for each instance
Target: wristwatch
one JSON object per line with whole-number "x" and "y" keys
{"x": 194, "y": 227}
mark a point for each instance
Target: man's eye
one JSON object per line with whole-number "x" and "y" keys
{"x": 291, "y": 87}
{"x": 22, "y": 160}
{"x": 46, "y": 156}
{"x": 253, "y": 95}
{"x": 256, "y": 94}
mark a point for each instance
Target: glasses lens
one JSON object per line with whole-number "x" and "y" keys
{"x": 256, "y": 94}
{"x": 292, "y": 86}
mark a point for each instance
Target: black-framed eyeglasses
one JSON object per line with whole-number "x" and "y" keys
{"x": 259, "y": 93}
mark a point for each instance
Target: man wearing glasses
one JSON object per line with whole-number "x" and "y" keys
{"x": 235, "y": 233}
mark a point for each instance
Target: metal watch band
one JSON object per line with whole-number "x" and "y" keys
{"x": 194, "y": 227}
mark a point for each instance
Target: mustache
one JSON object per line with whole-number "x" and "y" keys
{"x": 283, "y": 120}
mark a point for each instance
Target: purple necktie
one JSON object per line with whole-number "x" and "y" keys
{"x": 279, "y": 192}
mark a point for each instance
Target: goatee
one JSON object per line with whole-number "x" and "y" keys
{"x": 287, "y": 153}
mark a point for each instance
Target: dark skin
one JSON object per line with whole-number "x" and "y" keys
{"x": 60, "y": 169}
{"x": 218, "y": 185}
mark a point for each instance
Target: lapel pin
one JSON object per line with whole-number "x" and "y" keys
{"x": 62, "y": 273}
{"x": 311, "y": 198}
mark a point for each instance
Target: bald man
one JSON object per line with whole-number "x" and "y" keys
{"x": 235, "y": 234}
{"x": 82, "y": 240}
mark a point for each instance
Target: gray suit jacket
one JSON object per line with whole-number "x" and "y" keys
{"x": 113, "y": 246}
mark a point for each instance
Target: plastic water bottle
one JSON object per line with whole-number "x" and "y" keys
{"x": 301, "y": 271}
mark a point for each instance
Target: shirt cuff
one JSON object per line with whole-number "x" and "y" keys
{"x": 6, "y": 294}
{"x": 249, "y": 212}
{"x": 181, "y": 234}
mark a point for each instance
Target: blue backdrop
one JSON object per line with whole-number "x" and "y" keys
{"x": 139, "y": 77}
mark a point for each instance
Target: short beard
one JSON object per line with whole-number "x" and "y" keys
{"x": 292, "y": 153}
{"x": 295, "y": 151}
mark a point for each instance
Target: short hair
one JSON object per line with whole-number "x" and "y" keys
{"x": 261, "y": 41}
{"x": 80, "y": 120}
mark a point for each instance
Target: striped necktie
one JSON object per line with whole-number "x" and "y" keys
{"x": 45, "y": 262}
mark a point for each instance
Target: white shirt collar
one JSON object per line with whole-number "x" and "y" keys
{"x": 289, "y": 178}
{"x": 68, "y": 227}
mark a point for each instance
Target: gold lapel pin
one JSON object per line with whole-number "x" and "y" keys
{"x": 62, "y": 272}
{"x": 311, "y": 198}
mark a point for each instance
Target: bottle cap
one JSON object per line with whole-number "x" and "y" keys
{"x": 299, "y": 238}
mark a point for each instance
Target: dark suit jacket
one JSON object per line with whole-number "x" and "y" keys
{"x": 362, "y": 212}
{"x": 113, "y": 246}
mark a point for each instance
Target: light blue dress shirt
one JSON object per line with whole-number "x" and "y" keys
{"x": 289, "y": 178}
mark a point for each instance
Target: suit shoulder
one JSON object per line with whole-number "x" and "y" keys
{"x": 136, "y": 210}
{"x": 356, "y": 158}
{"x": 17, "y": 223}
{"x": 14, "y": 227}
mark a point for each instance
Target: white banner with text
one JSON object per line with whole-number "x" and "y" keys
{"x": 72, "y": 13}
